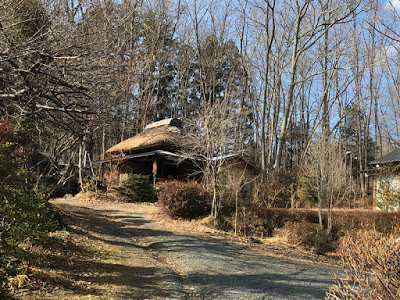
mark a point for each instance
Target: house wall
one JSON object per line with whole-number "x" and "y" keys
{"x": 240, "y": 174}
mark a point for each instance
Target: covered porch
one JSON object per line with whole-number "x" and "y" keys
{"x": 159, "y": 165}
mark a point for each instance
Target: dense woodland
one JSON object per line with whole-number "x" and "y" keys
{"x": 276, "y": 81}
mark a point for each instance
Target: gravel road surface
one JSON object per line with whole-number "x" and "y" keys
{"x": 191, "y": 266}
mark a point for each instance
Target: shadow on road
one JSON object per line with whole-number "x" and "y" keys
{"x": 90, "y": 276}
{"x": 216, "y": 270}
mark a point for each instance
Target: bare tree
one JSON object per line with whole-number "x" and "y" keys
{"x": 207, "y": 141}
{"x": 329, "y": 173}
{"x": 237, "y": 179}
{"x": 318, "y": 19}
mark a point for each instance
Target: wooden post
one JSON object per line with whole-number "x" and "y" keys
{"x": 154, "y": 172}
{"x": 374, "y": 193}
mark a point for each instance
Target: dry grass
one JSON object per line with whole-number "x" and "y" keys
{"x": 276, "y": 246}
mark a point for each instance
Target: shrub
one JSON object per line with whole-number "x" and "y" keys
{"x": 26, "y": 216}
{"x": 272, "y": 218}
{"x": 259, "y": 221}
{"x": 353, "y": 220}
{"x": 372, "y": 267}
{"x": 389, "y": 197}
{"x": 137, "y": 188}
{"x": 343, "y": 220}
{"x": 89, "y": 184}
{"x": 309, "y": 235}
{"x": 186, "y": 200}
{"x": 305, "y": 193}
{"x": 301, "y": 234}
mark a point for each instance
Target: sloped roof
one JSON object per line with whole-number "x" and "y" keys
{"x": 237, "y": 157}
{"x": 388, "y": 158}
{"x": 162, "y": 133}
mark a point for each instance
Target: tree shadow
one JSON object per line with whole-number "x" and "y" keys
{"x": 77, "y": 262}
{"x": 132, "y": 281}
{"x": 218, "y": 269}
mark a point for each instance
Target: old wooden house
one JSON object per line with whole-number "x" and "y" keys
{"x": 156, "y": 152}
{"x": 152, "y": 152}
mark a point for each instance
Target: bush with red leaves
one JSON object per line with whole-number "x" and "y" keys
{"x": 186, "y": 200}
{"x": 6, "y": 137}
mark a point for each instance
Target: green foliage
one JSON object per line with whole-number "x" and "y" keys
{"x": 137, "y": 188}
{"x": 389, "y": 197}
{"x": 25, "y": 214}
{"x": 30, "y": 19}
{"x": 305, "y": 192}
{"x": 187, "y": 200}
{"x": 89, "y": 184}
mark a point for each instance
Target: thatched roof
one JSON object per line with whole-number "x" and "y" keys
{"x": 162, "y": 133}
{"x": 171, "y": 122}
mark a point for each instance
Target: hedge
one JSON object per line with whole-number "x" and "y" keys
{"x": 263, "y": 221}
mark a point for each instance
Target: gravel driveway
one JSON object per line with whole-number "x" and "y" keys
{"x": 198, "y": 267}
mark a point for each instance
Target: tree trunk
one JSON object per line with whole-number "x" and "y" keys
{"x": 270, "y": 39}
{"x": 292, "y": 83}
{"x": 236, "y": 209}
{"x": 320, "y": 210}
{"x": 80, "y": 163}
{"x": 330, "y": 217}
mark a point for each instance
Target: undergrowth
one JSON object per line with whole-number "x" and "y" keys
{"x": 186, "y": 200}
{"x": 26, "y": 217}
{"x": 137, "y": 188}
